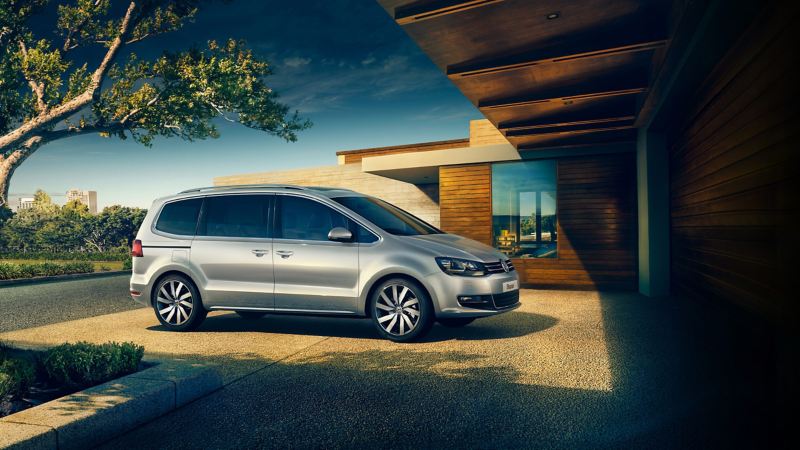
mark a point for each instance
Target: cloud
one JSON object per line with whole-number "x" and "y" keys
{"x": 296, "y": 61}
{"x": 325, "y": 84}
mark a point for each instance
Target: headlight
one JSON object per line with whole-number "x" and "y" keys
{"x": 462, "y": 267}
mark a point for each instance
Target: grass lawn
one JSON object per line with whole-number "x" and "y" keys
{"x": 98, "y": 265}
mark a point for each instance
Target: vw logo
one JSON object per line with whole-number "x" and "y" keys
{"x": 505, "y": 265}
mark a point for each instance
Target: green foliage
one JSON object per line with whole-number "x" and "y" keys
{"x": 9, "y": 271}
{"x": 175, "y": 95}
{"x": 83, "y": 364}
{"x": 127, "y": 264}
{"x": 115, "y": 254}
{"x": 193, "y": 88}
{"x": 16, "y": 376}
{"x": 50, "y": 228}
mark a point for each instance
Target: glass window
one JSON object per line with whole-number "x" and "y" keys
{"x": 386, "y": 216}
{"x": 304, "y": 219}
{"x": 179, "y": 217}
{"x": 524, "y": 221}
{"x": 242, "y": 216}
{"x": 363, "y": 235}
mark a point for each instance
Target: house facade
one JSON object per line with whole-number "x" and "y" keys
{"x": 567, "y": 218}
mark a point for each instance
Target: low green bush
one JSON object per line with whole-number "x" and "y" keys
{"x": 127, "y": 264}
{"x": 16, "y": 376}
{"x": 10, "y": 271}
{"x": 83, "y": 364}
{"x": 117, "y": 254}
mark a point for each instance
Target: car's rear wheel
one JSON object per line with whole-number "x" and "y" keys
{"x": 401, "y": 310}
{"x": 177, "y": 303}
{"x": 456, "y": 322}
{"x": 251, "y": 315}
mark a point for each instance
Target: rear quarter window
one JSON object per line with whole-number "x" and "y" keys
{"x": 179, "y": 217}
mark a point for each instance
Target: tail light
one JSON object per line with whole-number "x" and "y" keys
{"x": 136, "y": 250}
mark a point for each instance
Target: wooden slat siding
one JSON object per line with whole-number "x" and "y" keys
{"x": 596, "y": 227}
{"x": 354, "y": 156}
{"x": 465, "y": 201}
{"x": 734, "y": 170}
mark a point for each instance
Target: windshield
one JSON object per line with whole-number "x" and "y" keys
{"x": 386, "y": 216}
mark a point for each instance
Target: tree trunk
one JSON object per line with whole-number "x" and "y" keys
{"x": 9, "y": 163}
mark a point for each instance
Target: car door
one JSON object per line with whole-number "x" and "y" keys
{"x": 312, "y": 274}
{"x": 233, "y": 249}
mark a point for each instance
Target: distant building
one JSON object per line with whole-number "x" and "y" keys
{"x": 24, "y": 203}
{"x": 88, "y": 198}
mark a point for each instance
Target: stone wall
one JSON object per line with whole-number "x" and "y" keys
{"x": 420, "y": 200}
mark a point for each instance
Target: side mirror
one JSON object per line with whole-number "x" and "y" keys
{"x": 340, "y": 234}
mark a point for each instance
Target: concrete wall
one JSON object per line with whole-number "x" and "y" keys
{"x": 420, "y": 200}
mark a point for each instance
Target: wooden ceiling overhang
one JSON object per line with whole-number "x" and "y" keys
{"x": 545, "y": 73}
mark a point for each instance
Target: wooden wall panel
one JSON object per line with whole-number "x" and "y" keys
{"x": 465, "y": 201}
{"x": 734, "y": 171}
{"x": 596, "y": 227}
{"x": 596, "y": 220}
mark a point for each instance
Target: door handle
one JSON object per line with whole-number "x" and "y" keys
{"x": 285, "y": 253}
{"x": 259, "y": 253}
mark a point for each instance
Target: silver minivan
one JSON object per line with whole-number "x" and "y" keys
{"x": 275, "y": 249}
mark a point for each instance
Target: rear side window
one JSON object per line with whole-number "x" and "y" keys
{"x": 304, "y": 219}
{"x": 179, "y": 217}
{"x": 242, "y": 216}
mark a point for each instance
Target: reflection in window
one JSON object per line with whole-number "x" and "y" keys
{"x": 524, "y": 221}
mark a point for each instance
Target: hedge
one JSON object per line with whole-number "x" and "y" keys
{"x": 10, "y": 271}
{"x": 16, "y": 376}
{"x": 82, "y": 364}
{"x": 119, "y": 254}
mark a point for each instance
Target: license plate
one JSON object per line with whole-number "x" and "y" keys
{"x": 510, "y": 286}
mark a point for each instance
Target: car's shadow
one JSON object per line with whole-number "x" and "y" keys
{"x": 511, "y": 325}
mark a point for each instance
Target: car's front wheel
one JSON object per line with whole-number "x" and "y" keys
{"x": 401, "y": 310}
{"x": 177, "y": 303}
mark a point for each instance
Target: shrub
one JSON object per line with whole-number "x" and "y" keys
{"x": 16, "y": 376}
{"x": 83, "y": 364}
{"x": 116, "y": 254}
{"x": 127, "y": 264}
{"x": 10, "y": 271}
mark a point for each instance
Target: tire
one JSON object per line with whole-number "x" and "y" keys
{"x": 457, "y": 322}
{"x": 415, "y": 309}
{"x": 251, "y": 315}
{"x": 174, "y": 309}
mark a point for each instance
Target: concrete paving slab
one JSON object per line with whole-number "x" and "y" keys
{"x": 191, "y": 380}
{"x": 87, "y": 418}
{"x": 22, "y": 436}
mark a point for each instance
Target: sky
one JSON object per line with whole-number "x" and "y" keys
{"x": 343, "y": 64}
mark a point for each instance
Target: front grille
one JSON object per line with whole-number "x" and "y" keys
{"x": 497, "y": 266}
{"x": 506, "y": 299}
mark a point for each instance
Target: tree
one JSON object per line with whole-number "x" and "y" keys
{"x": 47, "y": 93}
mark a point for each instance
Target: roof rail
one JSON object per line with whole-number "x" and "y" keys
{"x": 241, "y": 186}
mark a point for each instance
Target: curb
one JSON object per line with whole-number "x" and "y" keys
{"x": 93, "y": 416}
{"x": 54, "y": 278}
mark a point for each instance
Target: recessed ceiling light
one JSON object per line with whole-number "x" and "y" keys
{"x": 553, "y": 15}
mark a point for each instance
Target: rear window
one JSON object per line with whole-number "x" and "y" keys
{"x": 179, "y": 217}
{"x": 235, "y": 216}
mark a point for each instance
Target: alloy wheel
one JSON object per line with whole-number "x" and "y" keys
{"x": 397, "y": 309}
{"x": 174, "y": 302}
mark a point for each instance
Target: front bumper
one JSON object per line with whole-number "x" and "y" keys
{"x": 446, "y": 290}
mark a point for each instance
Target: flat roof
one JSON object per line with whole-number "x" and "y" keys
{"x": 421, "y": 145}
